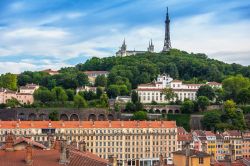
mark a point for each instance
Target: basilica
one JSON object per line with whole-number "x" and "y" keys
{"x": 167, "y": 44}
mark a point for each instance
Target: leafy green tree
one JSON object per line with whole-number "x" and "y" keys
{"x": 233, "y": 84}
{"x": 70, "y": 93}
{"x": 243, "y": 96}
{"x": 104, "y": 100}
{"x": 88, "y": 95}
{"x": 130, "y": 107}
{"x": 140, "y": 115}
{"x": 187, "y": 106}
{"x": 219, "y": 95}
{"x": 99, "y": 92}
{"x": 79, "y": 101}
{"x": 82, "y": 79}
{"x": 113, "y": 91}
{"x": 54, "y": 115}
{"x": 233, "y": 116}
{"x": 101, "y": 80}
{"x": 8, "y": 81}
{"x": 43, "y": 95}
{"x": 59, "y": 94}
{"x": 207, "y": 91}
{"x": 169, "y": 94}
{"x": 203, "y": 102}
{"x": 134, "y": 97}
{"x": 210, "y": 120}
{"x": 12, "y": 103}
{"x": 172, "y": 70}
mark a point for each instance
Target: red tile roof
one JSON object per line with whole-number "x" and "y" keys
{"x": 181, "y": 130}
{"x": 87, "y": 124}
{"x": 184, "y": 137}
{"x": 40, "y": 158}
{"x": 78, "y": 158}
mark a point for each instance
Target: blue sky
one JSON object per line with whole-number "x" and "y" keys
{"x": 40, "y": 34}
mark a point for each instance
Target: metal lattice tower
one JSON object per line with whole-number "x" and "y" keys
{"x": 167, "y": 42}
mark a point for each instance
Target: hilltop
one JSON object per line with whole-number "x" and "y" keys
{"x": 143, "y": 68}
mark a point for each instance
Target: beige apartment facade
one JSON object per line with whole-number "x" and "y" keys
{"x": 130, "y": 141}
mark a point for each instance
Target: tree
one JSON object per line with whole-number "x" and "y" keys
{"x": 104, "y": 100}
{"x": 54, "y": 115}
{"x": 233, "y": 116}
{"x": 203, "y": 102}
{"x": 43, "y": 95}
{"x": 187, "y": 106}
{"x": 243, "y": 96}
{"x": 130, "y": 107}
{"x": 140, "y": 115}
{"x": 172, "y": 70}
{"x": 134, "y": 97}
{"x": 82, "y": 79}
{"x": 8, "y": 81}
{"x": 207, "y": 91}
{"x": 113, "y": 91}
{"x": 12, "y": 103}
{"x": 230, "y": 110}
{"x": 210, "y": 120}
{"x": 88, "y": 95}
{"x": 99, "y": 92}
{"x": 232, "y": 86}
{"x": 79, "y": 101}
{"x": 101, "y": 80}
{"x": 59, "y": 94}
{"x": 169, "y": 94}
{"x": 70, "y": 93}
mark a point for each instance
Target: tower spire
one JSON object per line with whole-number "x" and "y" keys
{"x": 167, "y": 42}
{"x": 150, "y": 46}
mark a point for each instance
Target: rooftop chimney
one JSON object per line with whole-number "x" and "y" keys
{"x": 82, "y": 146}
{"x": 57, "y": 145}
{"x": 74, "y": 143}
{"x": 28, "y": 157}
{"x": 9, "y": 142}
{"x": 187, "y": 144}
{"x": 63, "y": 153}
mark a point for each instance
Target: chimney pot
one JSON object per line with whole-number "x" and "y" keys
{"x": 28, "y": 158}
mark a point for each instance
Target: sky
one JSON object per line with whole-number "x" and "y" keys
{"x": 42, "y": 34}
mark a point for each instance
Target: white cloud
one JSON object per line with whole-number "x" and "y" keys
{"x": 227, "y": 42}
{"x": 18, "y": 67}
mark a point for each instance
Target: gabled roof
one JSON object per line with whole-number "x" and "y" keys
{"x": 40, "y": 158}
{"x": 192, "y": 153}
{"x": 78, "y": 158}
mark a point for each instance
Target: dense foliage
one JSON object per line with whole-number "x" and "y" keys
{"x": 144, "y": 68}
{"x": 230, "y": 118}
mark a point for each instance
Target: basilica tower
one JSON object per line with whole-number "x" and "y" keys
{"x": 167, "y": 42}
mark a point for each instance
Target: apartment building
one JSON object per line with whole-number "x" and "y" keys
{"x": 24, "y": 95}
{"x": 129, "y": 141}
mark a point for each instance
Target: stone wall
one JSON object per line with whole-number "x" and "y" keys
{"x": 64, "y": 114}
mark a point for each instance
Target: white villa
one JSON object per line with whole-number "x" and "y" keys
{"x": 153, "y": 91}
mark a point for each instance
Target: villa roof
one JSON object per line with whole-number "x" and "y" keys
{"x": 96, "y": 72}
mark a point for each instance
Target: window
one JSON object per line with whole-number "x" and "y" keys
{"x": 201, "y": 160}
